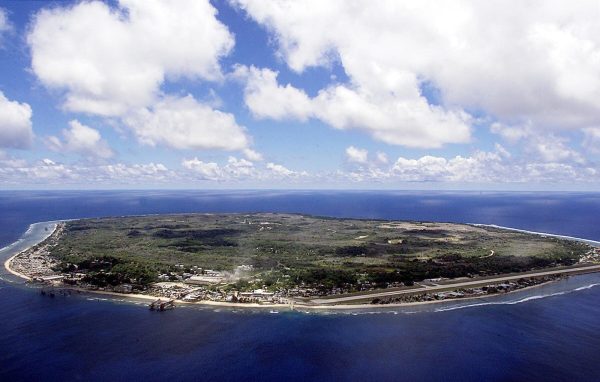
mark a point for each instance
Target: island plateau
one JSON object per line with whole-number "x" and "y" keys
{"x": 266, "y": 258}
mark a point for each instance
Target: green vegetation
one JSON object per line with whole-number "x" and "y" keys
{"x": 288, "y": 250}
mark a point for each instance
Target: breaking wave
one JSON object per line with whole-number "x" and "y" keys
{"x": 519, "y": 301}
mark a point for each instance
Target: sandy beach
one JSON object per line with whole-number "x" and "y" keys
{"x": 8, "y": 268}
{"x": 8, "y": 261}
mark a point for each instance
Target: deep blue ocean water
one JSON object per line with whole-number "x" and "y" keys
{"x": 550, "y": 333}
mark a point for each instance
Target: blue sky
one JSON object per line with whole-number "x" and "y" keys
{"x": 261, "y": 94}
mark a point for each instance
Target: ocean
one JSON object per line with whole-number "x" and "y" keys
{"x": 551, "y": 333}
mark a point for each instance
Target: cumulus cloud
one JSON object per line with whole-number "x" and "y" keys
{"x": 371, "y": 163}
{"x": 522, "y": 62}
{"x": 48, "y": 172}
{"x": 279, "y": 170}
{"x": 382, "y": 157}
{"x": 42, "y": 171}
{"x": 592, "y": 139}
{"x": 136, "y": 173}
{"x": 15, "y": 124}
{"x": 253, "y": 155}
{"x": 205, "y": 170}
{"x": 551, "y": 148}
{"x": 497, "y": 166}
{"x": 356, "y": 155}
{"x": 512, "y": 134}
{"x": 233, "y": 170}
{"x": 401, "y": 119}
{"x": 267, "y": 99}
{"x": 238, "y": 169}
{"x": 491, "y": 167}
{"x": 547, "y": 147}
{"x": 81, "y": 139}
{"x": 184, "y": 123}
{"x": 480, "y": 167}
{"x": 110, "y": 60}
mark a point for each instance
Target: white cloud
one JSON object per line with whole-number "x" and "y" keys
{"x": 81, "y": 139}
{"x": 47, "y": 172}
{"x": 356, "y": 155}
{"x": 382, "y": 157}
{"x": 512, "y": 134}
{"x": 238, "y": 169}
{"x": 266, "y": 99}
{"x": 184, "y": 123}
{"x": 15, "y": 124}
{"x": 424, "y": 168}
{"x": 592, "y": 139}
{"x": 491, "y": 167}
{"x": 410, "y": 122}
{"x": 360, "y": 157}
{"x": 253, "y": 155}
{"x": 547, "y": 147}
{"x": 43, "y": 171}
{"x": 280, "y": 170}
{"x": 551, "y": 148}
{"x": 205, "y": 170}
{"x": 136, "y": 173}
{"x": 521, "y": 62}
{"x": 7, "y": 161}
{"x": 480, "y": 167}
{"x": 234, "y": 169}
{"x": 110, "y": 60}
{"x": 400, "y": 119}
{"x": 4, "y": 23}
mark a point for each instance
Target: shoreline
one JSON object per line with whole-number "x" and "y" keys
{"x": 295, "y": 305}
{"x": 593, "y": 243}
{"x": 11, "y": 258}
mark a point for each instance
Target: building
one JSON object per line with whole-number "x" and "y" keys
{"x": 204, "y": 280}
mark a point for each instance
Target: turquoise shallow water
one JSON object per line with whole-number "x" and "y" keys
{"x": 547, "y": 333}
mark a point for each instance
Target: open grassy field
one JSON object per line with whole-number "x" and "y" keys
{"x": 293, "y": 249}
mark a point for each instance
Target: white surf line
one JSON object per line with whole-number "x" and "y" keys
{"x": 587, "y": 241}
{"x": 464, "y": 284}
{"x": 519, "y": 301}
{"x": 29, "y": 230}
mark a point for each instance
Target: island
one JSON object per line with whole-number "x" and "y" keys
{"x": 272, "y": 259}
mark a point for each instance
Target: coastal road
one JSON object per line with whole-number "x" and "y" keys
{"x": 462, "y": 284}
